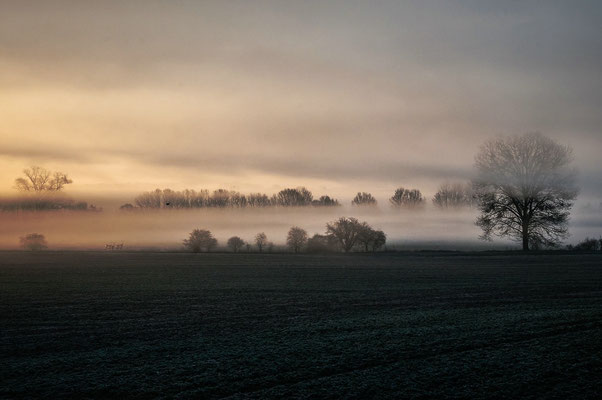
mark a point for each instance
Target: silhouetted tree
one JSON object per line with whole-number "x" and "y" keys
{"x": 407, "y": 198}
{"x": 325, "y": 201}
{"x": 127, "y": 207}
{"x": 294, "y": 197}
{"x": 261, "y": 240}
{"x": 258, "y": 200}
{"x": 33, "y": 242}
{"x": 322, "y": 244}
{"x": 200, "y": 239}
{"x": 296, "y": 238}
{"x": 379, "y": 240}
{"x": 363, "y": 199}
{"x": 235, "y": 243}
{"x": 588, "y": 245}
{"x": 524, "y": 189}
{"x": 346, "y": 231}
{"x": 152, "y": 199}
{"x": 371, "y": 239}
{"x": 38, "y": 179}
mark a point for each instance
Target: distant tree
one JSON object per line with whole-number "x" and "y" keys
{"x": 38, "y": 179}
{"x": 325, "y": 201}
{"x": 33, "y": 242}
{"x": 371, "y": 239}
{"x": 152, "y": 199}
{"x": 200, "y": 239}
{"x": 524, "y": 189}
{"x": 258, "y": 200}
{"x": 588, "y": 245}
{"x": 363, "y": 199}
{"x": 322, "y": 244}
{"x": 365, "y": 236}
{"x": 346, "y": 231}
{"x": 127, "y": 207}
{"x": 235, "y": 243}
{"x": 453, "y": 195}
{"x": 407, "y": 198}
{"x": 248, "y": 246}
{"x": 379, "y": 240}
{"x": 294, "y": 197}
{"x": 296, "y": 239}
{"x": 261, "y": 240}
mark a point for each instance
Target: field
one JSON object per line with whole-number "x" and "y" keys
{"x": 404, "y": 325}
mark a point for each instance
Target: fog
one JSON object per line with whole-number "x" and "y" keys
{"x": 429, "y": 228}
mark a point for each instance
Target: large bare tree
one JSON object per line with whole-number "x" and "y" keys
{"x": 38, "y": 179}
{"x": 525, "y": 189}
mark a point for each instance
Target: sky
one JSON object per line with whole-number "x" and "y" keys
{"x": 338, "y": 96}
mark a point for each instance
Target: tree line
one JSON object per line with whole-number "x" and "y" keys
{"x": 345, "y": 234}
{"x": 188, "y": 198}
{"x": 448, "y": 195}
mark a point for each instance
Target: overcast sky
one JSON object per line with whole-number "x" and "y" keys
{"x": 339, "y": 96}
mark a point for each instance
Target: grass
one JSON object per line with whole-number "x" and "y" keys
{"x": 424, "y": 325}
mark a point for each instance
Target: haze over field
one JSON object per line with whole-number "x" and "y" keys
{"x": 337, "y": 96}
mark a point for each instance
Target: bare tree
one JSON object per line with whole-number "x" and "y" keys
{"x": 235, "y": 243}
{"x": 363, "y": 199}
{"x": 38, "y": 179}
{"x": 346, "y": 231}
{"x": 524, "y": 189}
{"x": 296, "y": 239}
{"x": 325, "y": 201}
{"x": 322, "y": 244}
{"x": 379, "y": 240}
{"x": 371, "y": 239}
{"x": 453, "y": 195}
{"x": 294, "y": 197}
{"x": 364, "y": 238}
{"x": 407, "y": 198}
{"x": 33, "y": 242}
{"x": 261, "y": 240}
{"x": 200, "y": 239}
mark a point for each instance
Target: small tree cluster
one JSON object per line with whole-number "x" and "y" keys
{"x": 200, "y": 239}
{"x": 349, "y": 233}
{"x": 322, "y": 244}
{"x": 454, "y": 195}
{"x": 407, "y": 198}
{"x": 363, "y": 199}
{"x": 33, "y": 242}
{"x": 588, "y": 244}
{"x": 371, "y": 239}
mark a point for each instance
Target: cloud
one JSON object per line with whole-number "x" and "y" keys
{"x": 335, "y": 91}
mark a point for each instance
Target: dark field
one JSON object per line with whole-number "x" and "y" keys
{"x": 142, "y": 325}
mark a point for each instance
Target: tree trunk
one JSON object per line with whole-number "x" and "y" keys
{"x": 525, "y": 236}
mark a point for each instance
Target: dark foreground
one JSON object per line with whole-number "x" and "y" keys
{"x": 94, "y": 325}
